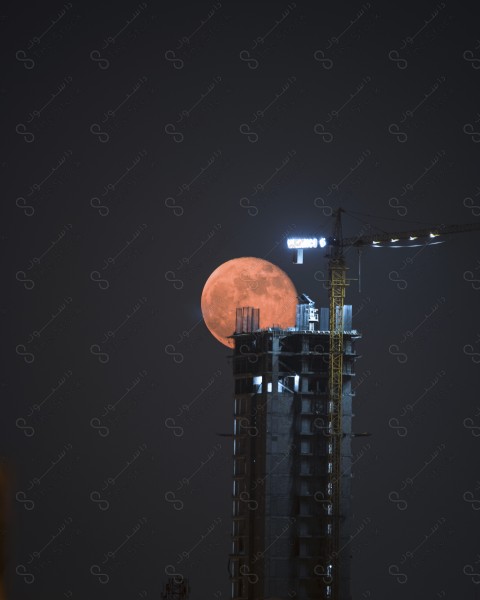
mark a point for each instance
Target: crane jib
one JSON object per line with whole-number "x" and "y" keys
{"x": 405, "y": 235}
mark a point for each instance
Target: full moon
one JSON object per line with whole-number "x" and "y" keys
{"x": 247, "y": 281}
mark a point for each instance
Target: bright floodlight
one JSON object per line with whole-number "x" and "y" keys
{"x": 322, "y": 242}
{"x": 433, "y": 234}
{"x": 394, "y": 240}
{"x": 297, "y": 243}
{"x": 412, "y": 237}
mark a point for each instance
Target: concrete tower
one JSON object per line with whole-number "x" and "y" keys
{"x": 283, "y": 514}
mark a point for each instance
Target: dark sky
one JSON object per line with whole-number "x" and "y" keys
{"x": 143, "y": 145}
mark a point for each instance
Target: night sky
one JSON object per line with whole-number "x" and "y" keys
{"x": 145, "y": 144}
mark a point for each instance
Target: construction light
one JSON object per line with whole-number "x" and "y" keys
{"x": 394, "y": 239}
{"x": 412, "y": 237}
{"x": 432, "y": 235}
{"x": 297, "y": 243}
{"x": 322, "y": 242}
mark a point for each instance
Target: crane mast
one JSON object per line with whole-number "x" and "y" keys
{"x": 337, "y": 284}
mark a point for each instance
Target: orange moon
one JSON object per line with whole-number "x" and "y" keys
{"x": 247, "y": 281}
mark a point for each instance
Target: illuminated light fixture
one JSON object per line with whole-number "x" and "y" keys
{"x": 433, "y": 235}
{"x": 296, "y": 243}
{"x": 375, "y": 242}
{"x": 412, "y": 237}
{"x": 394, "y": 239}
{"x": 322, "y": 242}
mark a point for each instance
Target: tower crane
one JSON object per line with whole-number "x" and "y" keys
{"x": 337, "y": 283}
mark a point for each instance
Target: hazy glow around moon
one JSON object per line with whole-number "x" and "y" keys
{"x": 247, "y": 281}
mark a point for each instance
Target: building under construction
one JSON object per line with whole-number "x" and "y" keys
{"x": 292, "y": 466}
